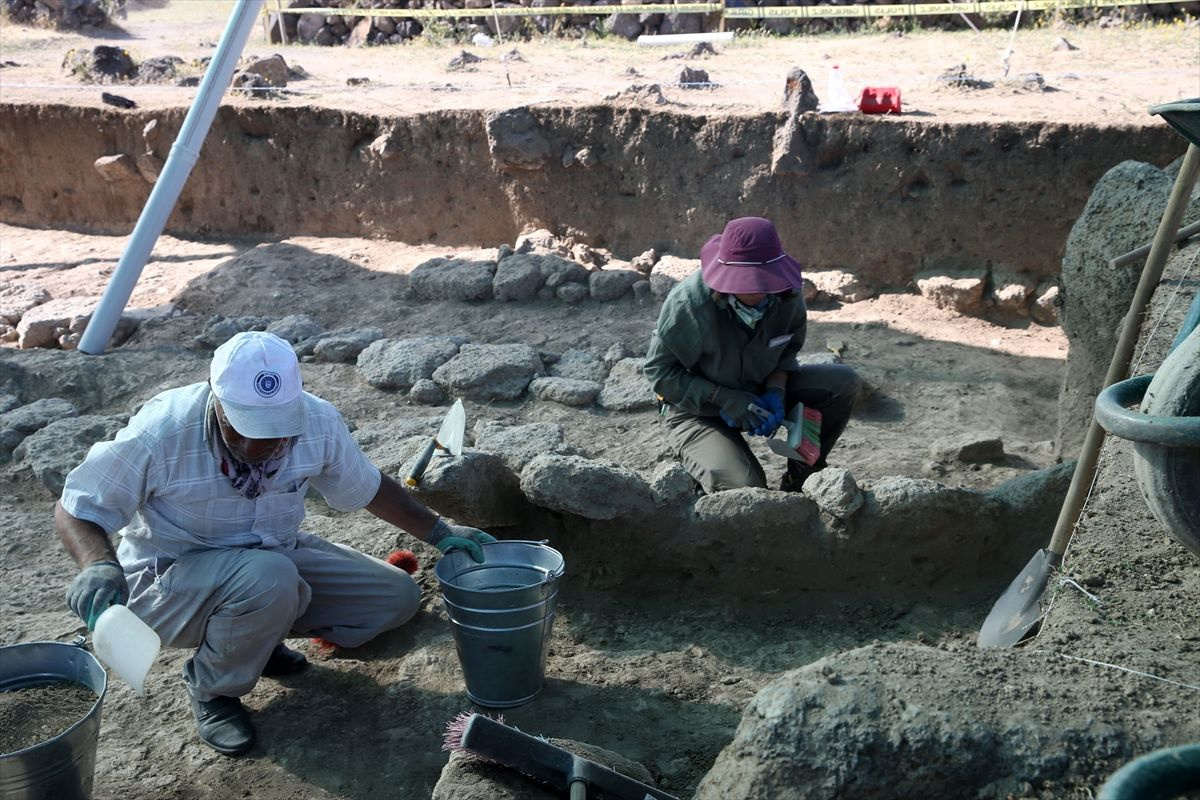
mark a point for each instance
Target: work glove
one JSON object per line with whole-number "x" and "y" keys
{"x": 96, "y": 587}
{"x": 446, "y": 537}
{"x": 735, "y": 408}
{"x": 772, "y": 401}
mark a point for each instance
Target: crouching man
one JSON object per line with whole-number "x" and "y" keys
{"x": 206, "y": 485}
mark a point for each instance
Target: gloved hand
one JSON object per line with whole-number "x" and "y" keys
{"x": 445, "y": 536}
{"x": 772, "y": 401}
{"x": 96, "y": 587}
{"x": 735, "y": 408}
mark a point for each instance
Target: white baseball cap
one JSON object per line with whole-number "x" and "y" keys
{"x": 256, "y": 376}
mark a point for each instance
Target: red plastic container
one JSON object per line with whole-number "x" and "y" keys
{"x": 880, "y": 100}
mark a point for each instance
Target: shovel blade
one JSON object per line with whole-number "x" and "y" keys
{"x": 1020, "y": 607}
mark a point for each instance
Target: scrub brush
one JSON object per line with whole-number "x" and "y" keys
{"x": 809, "y": 447}
{"x": 539, "y": 760}
{"x": 803, "y": 427}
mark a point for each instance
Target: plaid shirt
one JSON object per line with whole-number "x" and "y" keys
{"x": 159, "y": 484}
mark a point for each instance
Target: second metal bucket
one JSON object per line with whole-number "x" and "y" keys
{"x": 502, "y": 612}
{"x": 63, "y": 766}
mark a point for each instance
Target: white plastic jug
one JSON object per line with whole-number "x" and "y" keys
{"x": 126, "y": 644}
{"x": 837, "y": 97}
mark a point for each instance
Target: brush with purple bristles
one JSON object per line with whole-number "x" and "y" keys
{"x": 541, "y": 761}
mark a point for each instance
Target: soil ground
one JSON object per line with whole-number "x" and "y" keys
{"x": 663, "y": 686}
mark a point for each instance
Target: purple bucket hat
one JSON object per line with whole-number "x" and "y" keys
{"x": 748, "y": 258}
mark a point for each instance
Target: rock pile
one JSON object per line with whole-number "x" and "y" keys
{"x": 65, "y": 14}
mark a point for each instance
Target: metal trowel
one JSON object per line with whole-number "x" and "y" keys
{"x": 449, "y": 439}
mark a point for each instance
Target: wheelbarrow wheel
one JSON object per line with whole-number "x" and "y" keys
{"x": 1169, "y": 477}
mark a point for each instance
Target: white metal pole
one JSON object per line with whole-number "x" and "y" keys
{"x": 174, "y": 175}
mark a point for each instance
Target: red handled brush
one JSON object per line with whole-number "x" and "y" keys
{"x": 536, "y": 758}
{"x": 405, "y": 560}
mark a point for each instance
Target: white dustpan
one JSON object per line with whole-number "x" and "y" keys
{"x": 126, "y": 645}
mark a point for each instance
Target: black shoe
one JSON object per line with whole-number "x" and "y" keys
{"x": 284, "y": 661}
{"x": 792, "y": 483}
{"x": 224, "y": 725}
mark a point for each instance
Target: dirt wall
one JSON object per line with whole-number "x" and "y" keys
{"x": 885, "y": 198}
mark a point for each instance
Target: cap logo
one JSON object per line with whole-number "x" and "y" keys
{"x": 266, "y": 383}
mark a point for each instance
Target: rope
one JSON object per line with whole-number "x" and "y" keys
{"x": 1131, "y": 671}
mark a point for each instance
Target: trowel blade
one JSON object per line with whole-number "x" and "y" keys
{"x": 450, "y": 436}
{"x": 780, "y": 447}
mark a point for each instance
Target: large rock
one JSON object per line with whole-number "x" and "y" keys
{"x": 475, "y": 488}
{"x": 568, "y": 391}
{"x": 842, "y": 286}
{"x": 296, "y": 328}
{"x": 961, "y": 292}
{"x": 516, "y": 141}
{"x": 16, "y": 298}
{"x": 400, "y": 363}
{"x": 1121, "y": 214}
{"x": 578, "y": 365}
{"x": 835, "y": 491}
{"x": 756, "y": 513}
{"x": 452, "y": 279}
{"x": 345, "y": 345}
{"x": 44, "y": 324}
{"x": 53, "y": 451}
{"x": 486, "y": 372}
{"x": 584, "y": 487}
{"x": 669, "y": 271}
{"x": 517, "y": 445}
{"x": 273, "y": 70}
{"x": 24, "y": 420}
{"x": 612, "y": 284}
{"x": 219, "y": 329}
{"x": 626, "y": 388}
{"x": 905, "y": 720}
{"x": 518, "y": 277}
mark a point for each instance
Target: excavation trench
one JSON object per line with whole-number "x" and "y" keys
{"x": 675, "y": 613}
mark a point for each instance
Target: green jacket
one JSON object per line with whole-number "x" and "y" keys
{"x": 699, "y": 344}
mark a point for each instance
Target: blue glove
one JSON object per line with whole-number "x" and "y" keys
{"x": 96, "y": 587}
{"x": 772, "y": 401}
{"x": 445, "y": 537}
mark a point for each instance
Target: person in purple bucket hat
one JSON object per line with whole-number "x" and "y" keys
{"x": 722, "y": 361}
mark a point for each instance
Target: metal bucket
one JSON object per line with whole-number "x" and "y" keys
{"x": 61, "y": 768}
{"x": 501, "y": 613}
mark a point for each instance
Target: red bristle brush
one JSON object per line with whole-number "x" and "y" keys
{"x": 810, "y": 440}
{"x": 405, "y": 560}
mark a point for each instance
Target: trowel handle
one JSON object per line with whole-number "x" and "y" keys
{"x": 762, "y": 413}
{"x": 418, "y": 470}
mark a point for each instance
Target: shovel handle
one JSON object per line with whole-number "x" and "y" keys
{"x": 418, "y": 470}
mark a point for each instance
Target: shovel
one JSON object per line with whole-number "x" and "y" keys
{"x": 449, "y": 439}
{"x": 1019, "y": 609}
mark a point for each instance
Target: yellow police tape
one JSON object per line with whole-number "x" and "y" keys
{"x": 751, "y": 12}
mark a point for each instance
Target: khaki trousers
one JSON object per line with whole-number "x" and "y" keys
{"x": 718, "y": 456}
{"x": 234, "y": 605}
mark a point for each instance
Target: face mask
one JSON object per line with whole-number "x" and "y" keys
{"x": 750, "y": 315}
